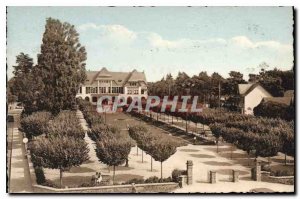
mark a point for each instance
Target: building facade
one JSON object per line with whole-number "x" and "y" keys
{"x": 129, "y": 85}
{"x": 250, "y": 96}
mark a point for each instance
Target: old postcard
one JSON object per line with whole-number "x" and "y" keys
{"x": 150, "y": 100}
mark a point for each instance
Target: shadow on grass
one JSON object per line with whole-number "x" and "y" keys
{"x": 215, "y": 163}
{"x": 202, "y": 156}
{"x": 229, "y": 172}
{"x": 126, "y": 177}
{"x": 189, "y": 150}
{"x": 81, "y": 170}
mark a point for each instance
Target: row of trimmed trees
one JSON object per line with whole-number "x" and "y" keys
{"x": 112, "y": 147}
{"x": 158, "y": 147}
{"x": 55, "y": 142}
{"x": 263, "y": 136}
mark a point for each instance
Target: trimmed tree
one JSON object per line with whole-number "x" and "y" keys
{"x": 161, "y": 151}
{"x": 35, "y": 124}
{"x": 113, "y": 152}
{"x": 59, "y": 153}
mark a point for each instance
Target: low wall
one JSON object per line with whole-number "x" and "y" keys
{"x": 140, "y": 188}
{"x": 265, "y": 176}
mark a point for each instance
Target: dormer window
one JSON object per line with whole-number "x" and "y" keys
{"x": 132, "y": 83}
{"x": 119, "y": 80}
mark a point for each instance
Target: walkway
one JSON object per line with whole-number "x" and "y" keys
{"x": 20, "y": 181}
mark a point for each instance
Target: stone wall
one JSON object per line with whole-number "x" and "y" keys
{"x": 265, "y": 176}
{"x": 140, "y": 188}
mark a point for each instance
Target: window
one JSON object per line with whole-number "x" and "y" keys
{"x": 119, "y": 80}
{"x": 136, "y": 92}
{"x": 80, "y": 89}
{"x": 102, "y": 89}
{"x": 94, "y": 99}
{"x": 117, "y": 89}
{"x": 132, "y": 83}
{"x": 88, "y": 90}
{"x": 129, "y": 92}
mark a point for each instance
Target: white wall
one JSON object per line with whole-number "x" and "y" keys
{"x": 254, "y": 98}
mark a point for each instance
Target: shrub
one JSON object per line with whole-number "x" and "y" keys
{"x": 282, "y": 173}
{"x": 135, "y": 181}
{"x": 40, "y": 176}
{"x": 49, "y": 183}
{"x": 35, "y": 124}
{"x": 176, "y": 173}
{"x": 152, "y": 179}
{"x": 274, "y": 110}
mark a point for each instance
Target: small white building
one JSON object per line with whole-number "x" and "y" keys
{"x": 251, "y": 95}
{"x": 106, "y": 83}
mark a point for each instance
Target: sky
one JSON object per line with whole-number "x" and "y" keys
{"x": 161, "y": 40}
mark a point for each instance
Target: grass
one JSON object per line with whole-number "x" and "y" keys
{"x": 122, "y": 120}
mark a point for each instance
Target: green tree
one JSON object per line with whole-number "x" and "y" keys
{"x": 35, "y": 124}
{"x": 59, "y": 153}
{"x": 113, "y": 152}
{"x": 61, "y": 66}
{"x": 25, "y": 85}
{"x": 10, "y": 97}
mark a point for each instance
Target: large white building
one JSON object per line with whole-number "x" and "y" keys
{"x": 126, "y": 84}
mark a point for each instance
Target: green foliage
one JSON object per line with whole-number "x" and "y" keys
{"x": 100, "y": 132}
{"x": 35, "y": 124}
{"x": 59, "y": 152}
{"x": 176, "y": 173}
{"x": 25, "y": 85}
{"x": 65, "y": 124}
{"x": 40, "y": 176}
{"x": 113, "y": 152}
{"x": 162, "y": 150}
{"x": 61, "y": 66}
{"x": 275, "y": 110}
{"x": 93, "y": 118}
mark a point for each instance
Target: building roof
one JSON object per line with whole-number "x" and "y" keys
{"x": 289, "y": 93}
{"x": 281, "y": 100}
{"x": 245, "y": 89}
{"x": 119, "y": 78}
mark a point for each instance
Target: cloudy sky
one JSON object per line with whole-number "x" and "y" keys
{"x": 161, "y": 40}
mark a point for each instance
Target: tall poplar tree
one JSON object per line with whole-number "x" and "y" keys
{"x": 61, "y": 65}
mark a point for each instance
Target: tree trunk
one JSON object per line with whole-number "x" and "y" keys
{"x": 137, "y": 150}
{"x": 151, "y": 164}
{"x": 126, "y": 164}
{"x": 60, "y": 177}
{"x": 217, "y": 145}
{"x": 161, "y": 171}
{"x": 114, "y": 174}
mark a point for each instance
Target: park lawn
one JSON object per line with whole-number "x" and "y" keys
{"x": 122, "y": 120}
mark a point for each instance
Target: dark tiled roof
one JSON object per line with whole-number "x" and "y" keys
{"x": 245, "y": 89}
{"x": 119, "y": 78}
